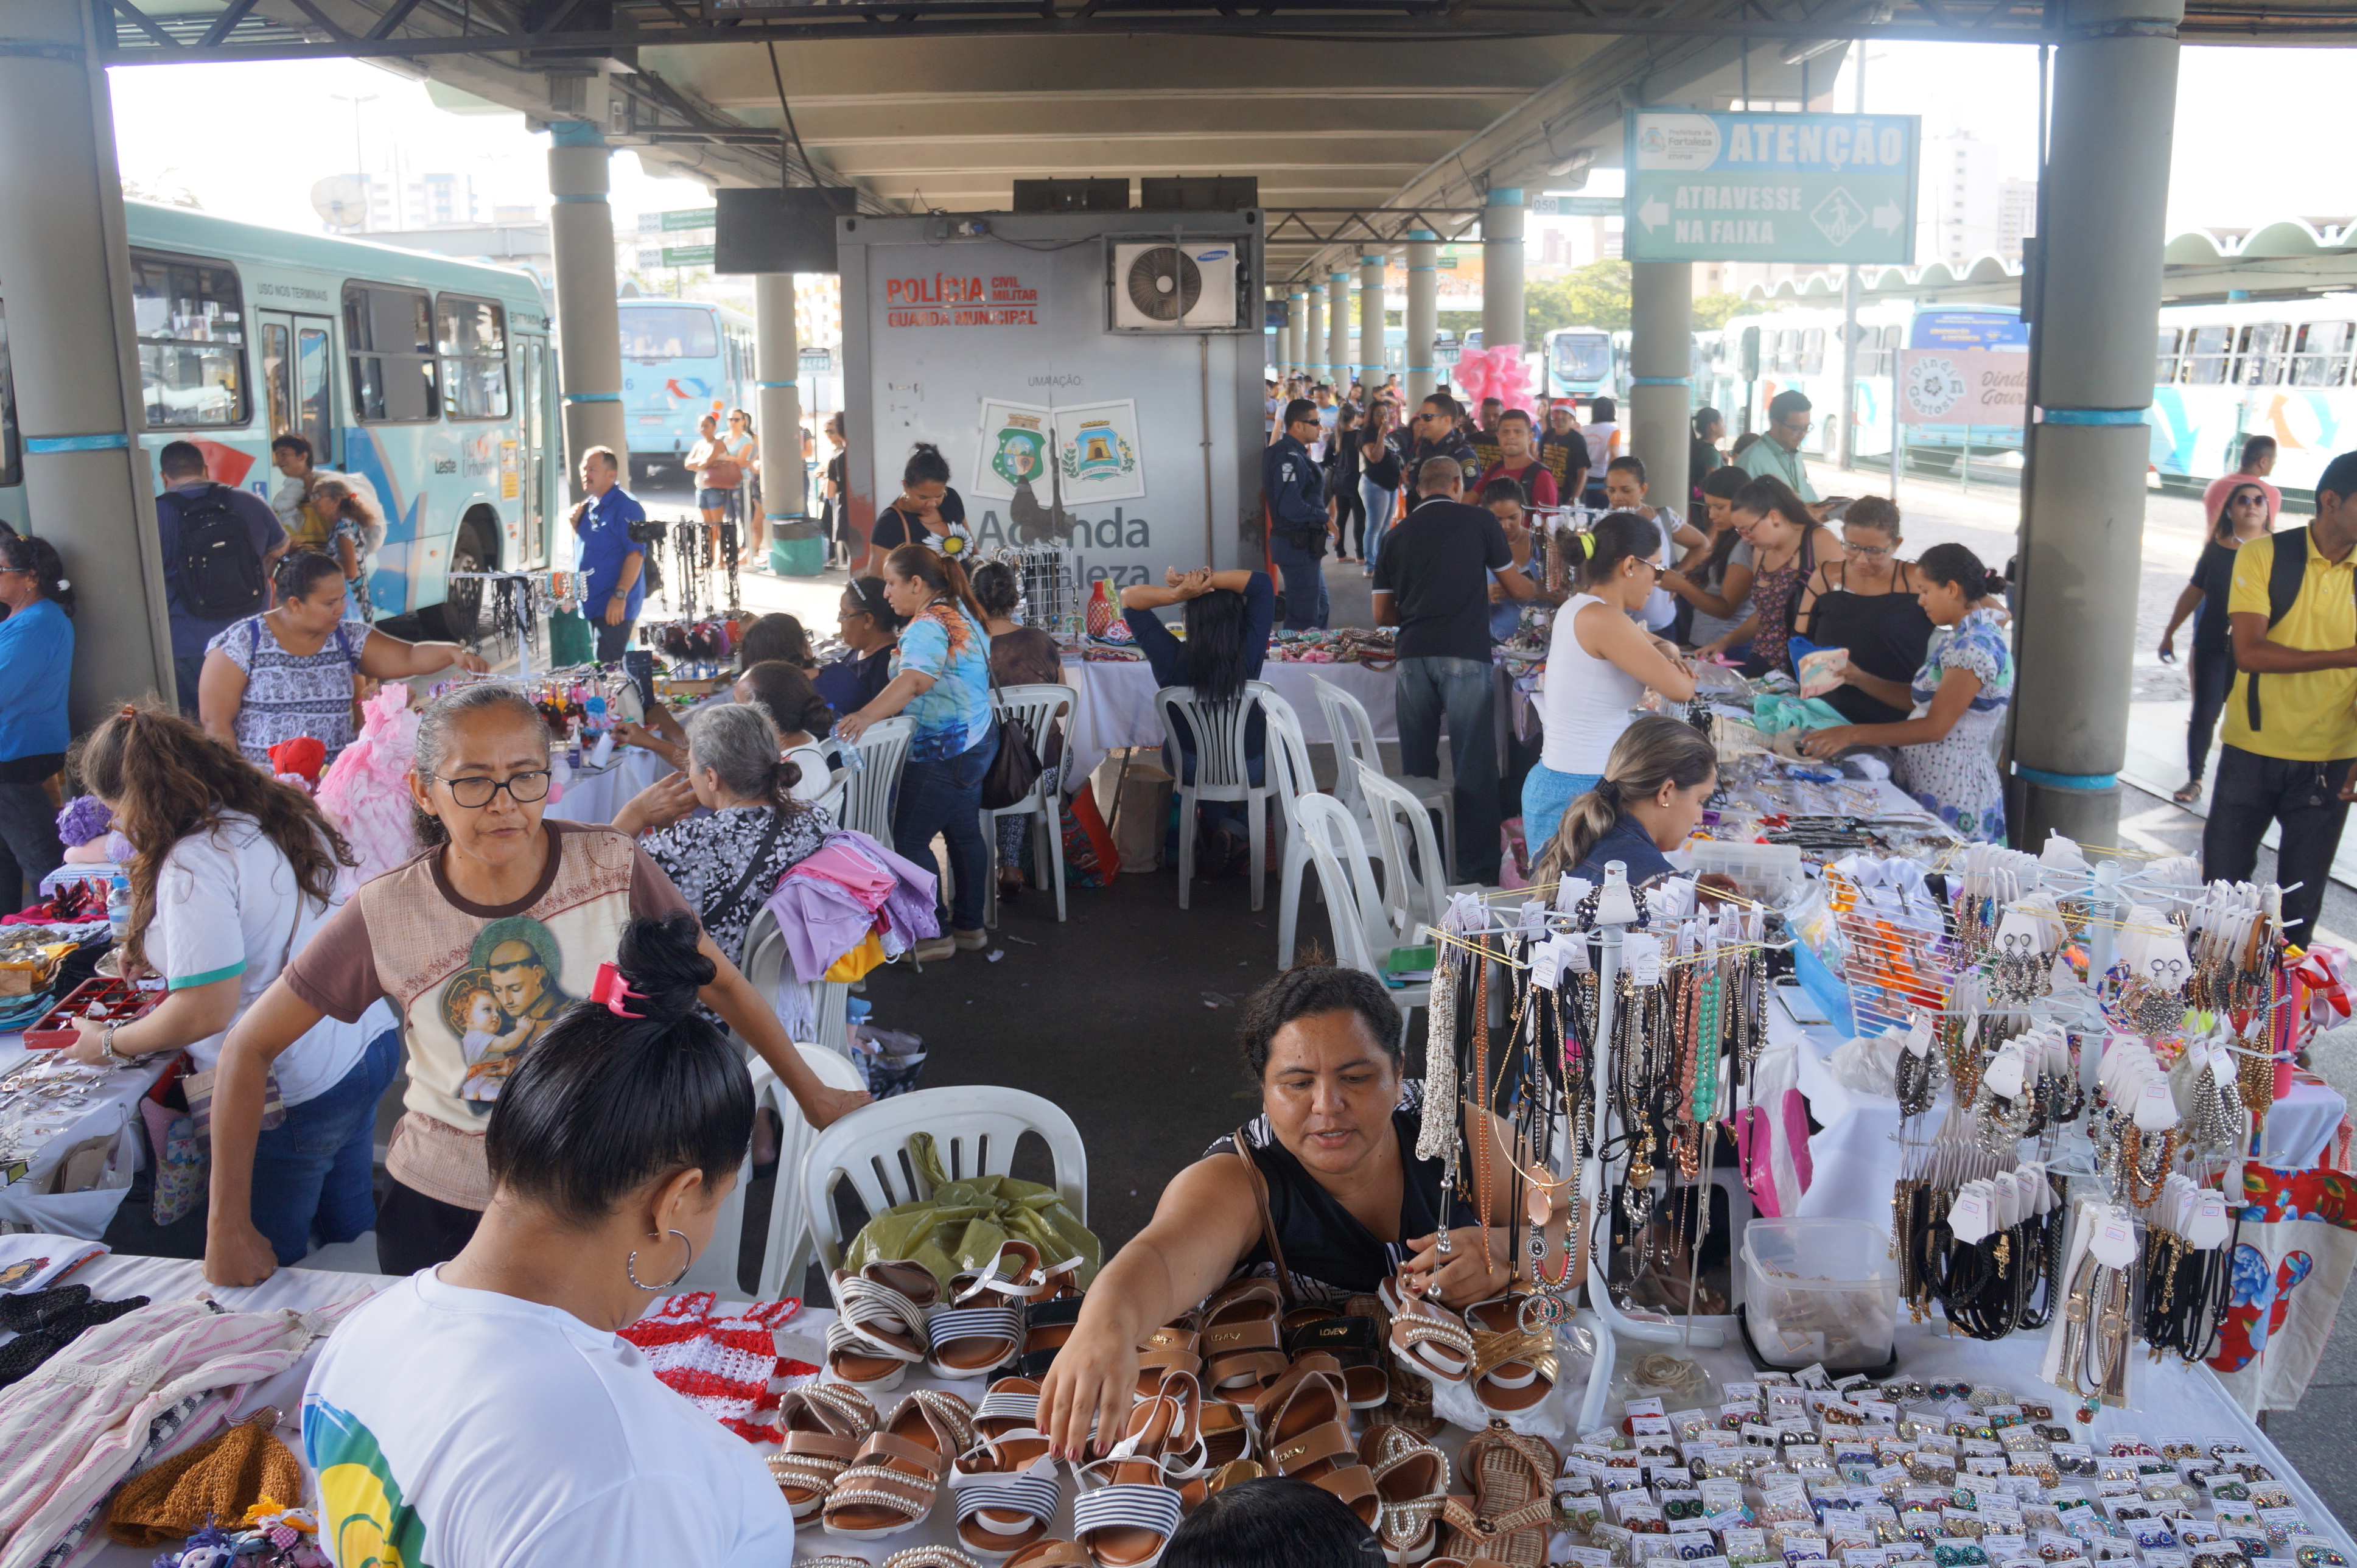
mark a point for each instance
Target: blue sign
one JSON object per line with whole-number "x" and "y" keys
{"x": 1968, "y": 330}
{"x": 1771, "y": 188}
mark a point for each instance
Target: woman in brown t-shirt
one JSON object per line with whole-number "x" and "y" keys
{"x": 479, "y": 942}
{"x": 1019, "y": 656}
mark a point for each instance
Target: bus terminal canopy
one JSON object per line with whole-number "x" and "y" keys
{"x": 1366, "y": 119}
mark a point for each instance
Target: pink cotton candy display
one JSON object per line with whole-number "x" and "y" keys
{"x": 365, "y": 792}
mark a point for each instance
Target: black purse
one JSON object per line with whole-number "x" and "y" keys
{"x": 1016, "y": 767}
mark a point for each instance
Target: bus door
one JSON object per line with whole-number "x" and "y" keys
{"x": 539, "y": 429}
{"x": 297, "y": 388}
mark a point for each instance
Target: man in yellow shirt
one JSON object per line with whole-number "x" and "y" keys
{"x": 2291, "y": 720}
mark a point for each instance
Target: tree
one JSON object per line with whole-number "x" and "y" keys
{"x": 1594, "y": 296}
{"x": 1712, "y": 311}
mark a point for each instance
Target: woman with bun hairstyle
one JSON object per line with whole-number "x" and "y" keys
{"x": 37, "y": 647}
{"x": 1649, "y": 801}
{"x": 941, "y": 678}
{"x": 486, "y": 1409}
{"x": 1600, "y": 662}
{"x": 925, "y": 512}
{"x": 1958, "y": 699}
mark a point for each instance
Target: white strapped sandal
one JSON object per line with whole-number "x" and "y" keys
{"x": 1125, "y": 1509}
{"x": 1426, "y": 1338}
{"x": 879, "y": 1329}
{"x": 824, "y": 1424}
{"x": 982, "y": 1329}
{"x": 1007, "y": 1492}
{"x": 898, "y": 1475}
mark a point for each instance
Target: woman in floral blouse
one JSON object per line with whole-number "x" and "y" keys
{"x": 1958, "y": 697}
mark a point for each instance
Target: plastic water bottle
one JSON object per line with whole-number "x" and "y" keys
{"x": 848, "y": 751}
{"x": 118, "y": 909}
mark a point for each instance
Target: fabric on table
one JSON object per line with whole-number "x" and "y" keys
{"x": 721, "y": 1361}
{"x": 965, "y": 1224}
{"x": 2293, "y": 1251}
{"x": 218, "y": 1478}
{"x": 35, "y": 1262}
{"x": 1773, "y": 714}
{"x": 57, "y": 1329}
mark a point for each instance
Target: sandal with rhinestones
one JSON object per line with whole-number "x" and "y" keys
{"x": 1427, "y": 1338}
{"x": 1411, "y": 1488}
{"x": 824, "y": 1424}
{"x": 900, "y": 1471}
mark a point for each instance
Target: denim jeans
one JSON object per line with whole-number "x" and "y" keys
{"x": 187, "y": 669}
{"x": 943, "y": 795}
{"x": 613, "y": 640}
{"x": 314, "y": 1173}
{"x": 1465, "y": 690}
{"x": 1378, "y": 502}
{"x": 29, "y": 846}
{"x": 2214, "y": 678}
{"x": 1304, "y": 583}
{"x": 1545, "y": 795}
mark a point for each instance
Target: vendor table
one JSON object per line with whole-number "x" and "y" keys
{"x": 112, "y": 1110}
{"x": 595, "y": 794}
{"x": 1117, "y": 702}
{"x": 2171, "y": 1399}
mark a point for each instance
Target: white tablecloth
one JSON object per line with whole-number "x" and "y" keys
{"x": 1117, "y": 703}
{"x": 593, "y": 795}
{"x": 110, "y": 1114}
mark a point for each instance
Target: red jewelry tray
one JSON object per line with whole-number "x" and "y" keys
{"x": 122, "y": 1003}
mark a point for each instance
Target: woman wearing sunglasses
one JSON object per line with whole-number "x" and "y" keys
{"x": 2245, "y": 515}
{"x": 479, "y": 944}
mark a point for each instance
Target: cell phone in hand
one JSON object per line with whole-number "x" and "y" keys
{"x": 639, "y": 664}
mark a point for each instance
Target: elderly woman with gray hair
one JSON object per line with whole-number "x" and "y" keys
{"x": 726, "y": 863}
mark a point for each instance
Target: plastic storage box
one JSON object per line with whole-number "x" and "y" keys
{"x": 1820, "y": 1290}
{"x": 100, "y": 997}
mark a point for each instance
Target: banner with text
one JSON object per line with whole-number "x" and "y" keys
{"x": 1771, "y": 188}
{"x": 1962, "y": 386}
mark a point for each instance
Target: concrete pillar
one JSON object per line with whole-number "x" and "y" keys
{"x": 1422, "y": 372}
{"x": 2115, "y": 103}
{"x": 1371, "y": 322}
{"x": 581, "y": 231}
{"x": 1501, "y": 268}
{"x": 1296, "y": 331}
{"x": 89, "y": 488}
{"x": 1338, "y": 330}
{"x": 777, "y": 359}
{"x": 1660, "y": 360}
{"x": 1313, "y": 340}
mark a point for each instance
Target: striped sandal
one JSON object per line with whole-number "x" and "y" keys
{"x": 898, "y": 1475}
{"x": 1007, "y": 1494}
{"x": 982, "y": 1327}
{"x": 1124, "y": 1511}
{"x": 824, "y": 1424}
{"x": 1426, "y": 1338}
{"x": 1011, "y": 1404}
{"x": 879, "y": 1329}
{"x": 1412, "y": 1486}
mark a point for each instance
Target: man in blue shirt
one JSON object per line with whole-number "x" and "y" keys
{"x": 612, "y": 563}
{"x": 186, "y": 485}
{"x": 1298, "y": 522}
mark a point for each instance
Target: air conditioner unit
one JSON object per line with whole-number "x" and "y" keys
{"x": 1172, "y": 287}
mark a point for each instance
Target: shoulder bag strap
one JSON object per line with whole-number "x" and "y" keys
{"x": 1267, "y": 1226}
{"x": 752, "y": 869}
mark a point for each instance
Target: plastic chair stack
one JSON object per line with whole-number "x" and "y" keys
{"x": 1036, "y": 708}
{"x": 1354, "y": 901}
{"x": 1415, "y": 879}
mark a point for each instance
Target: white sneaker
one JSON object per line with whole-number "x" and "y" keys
{"x": 933, "y": 950}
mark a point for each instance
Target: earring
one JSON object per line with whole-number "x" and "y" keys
{"x": 630, "y": 1266}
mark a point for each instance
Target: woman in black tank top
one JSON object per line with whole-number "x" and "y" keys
{"x": 1867, "y": 604}
{"x": 1331, "y": 1175}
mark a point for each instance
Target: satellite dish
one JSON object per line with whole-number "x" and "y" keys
{"x": 341, "y": 200}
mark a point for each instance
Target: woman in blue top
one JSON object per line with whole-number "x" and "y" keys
{"x": 941, "y": 678}
{"x": 1227, "y": 620}
{"x": 37, "y": 644}
{"x": 1650, "y": 799}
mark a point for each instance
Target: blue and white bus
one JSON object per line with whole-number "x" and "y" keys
{"x": 1581, "y": 364}
{"x": 680, "y": 360}
{"x": 434, "y": 379}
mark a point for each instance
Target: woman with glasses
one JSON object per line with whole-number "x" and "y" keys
{"x": 1782, "y": 543}
{"x": 2245, "y": 515}
{"x": 37, "y": 649}
{"x": 745, "y": 448}
{"x": 289, "y": 671}
{"x": 479, "y": 944}
{"x": 1600, "y": 662}
{"x": 870, "y": 629}
{"x": 232, "y": 872}
{"x": 1866, "y": 603}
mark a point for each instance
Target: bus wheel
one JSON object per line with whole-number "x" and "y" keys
{"x": 456, "y": 618}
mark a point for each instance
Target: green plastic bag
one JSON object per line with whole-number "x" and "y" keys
{"x": 570, "y": 640}
{"x": 965, "y": 1223}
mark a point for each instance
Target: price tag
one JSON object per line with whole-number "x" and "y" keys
{"x": 1547, "y": 964}
{"x": 2209, "y": 1227}
{"x": 1570, "y": 891}
{"x": 2155, "y": 1108}
{"x": 2113, "y": 1237}
{"x": 1969, "y": 1218}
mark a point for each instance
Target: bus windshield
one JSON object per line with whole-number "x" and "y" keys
{"x": 669, "y": 332}
{"x": 1583, "y": 357}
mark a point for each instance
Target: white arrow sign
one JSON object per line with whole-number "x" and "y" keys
{"x": 1886, "y": 216}
{"x": 1652, "y": 214}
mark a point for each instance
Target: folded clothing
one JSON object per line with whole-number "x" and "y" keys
{"x": 55, "y": 1324}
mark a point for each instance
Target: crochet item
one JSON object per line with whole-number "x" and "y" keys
{"x": 301, "y": 756}
{"x": 58, "y": 1323}
{"x": 218, "y": 1480}
{"x": 365, "y": 792}
{"x": 725, "y": 1365}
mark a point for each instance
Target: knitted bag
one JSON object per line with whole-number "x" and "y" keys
{"x": 726, "y": 1365}
{"x": 216, "y": 1479}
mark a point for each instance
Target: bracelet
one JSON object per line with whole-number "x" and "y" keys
{"x": 106, "y": 1046}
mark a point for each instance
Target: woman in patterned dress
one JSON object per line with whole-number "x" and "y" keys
{"x": 1958, "y": 698}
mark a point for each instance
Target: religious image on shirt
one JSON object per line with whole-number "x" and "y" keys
{"x": 363, "y": 1517}
{"x": 504, "y": 999}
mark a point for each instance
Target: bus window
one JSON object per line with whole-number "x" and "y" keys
{"x": 472, "y": 336}
{"x": 311, "y": 387}
{"x": 2260, "y": 362}
{"x": 1885, "y": 352}
{"x": 668, "y": 332}
{"x": 2320, "y": 356}
{"x": 278, "y": 371}
{"x": 2205, "y": 350}
{"x": 190, "y": 321}
{"x": 389, "y": 333}
{"x": 1813, "y": 351}
{"x": 1582, "y": 357}
{"x": 12, "y": 452}
{"x": 2164, "y": 360}
{"x": 1788, "y": 350}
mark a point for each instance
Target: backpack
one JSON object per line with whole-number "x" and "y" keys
{"x": 221, "y": 574}
{"x": 2285, "y": 574}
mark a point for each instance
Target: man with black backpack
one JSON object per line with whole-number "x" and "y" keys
{"x": 2291, "y": 720}
{"x": 219, "y": 543}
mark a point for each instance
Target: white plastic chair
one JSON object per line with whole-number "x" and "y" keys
{"x": 1290, "y": 776}
{"x": 974, "y": 1129}
{"x": 782, "y": 1258}
{"x": 869, "y": 792}
{"x": 1222, "y": 771}
{"x": 1036, "y": 708}
{"x": 837, "y": 789}
{"x": 1415, "y": 879}
{"x": 1362, "y": 938}
{"x": 1353, "y": 734}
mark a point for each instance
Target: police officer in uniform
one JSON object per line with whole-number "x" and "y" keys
{"x": 1298, "y": 523}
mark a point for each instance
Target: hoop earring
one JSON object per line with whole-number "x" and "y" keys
{"x": 630, "y": 1266}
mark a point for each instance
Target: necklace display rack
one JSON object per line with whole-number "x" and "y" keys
{"x": 1591, "y": 1151}
{"x": 520, "y": 605}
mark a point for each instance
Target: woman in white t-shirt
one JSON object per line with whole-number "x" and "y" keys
{"x": 1599, "y": 663}
{"x": 485, "y": 1410}
{"x": 231, "y": 874}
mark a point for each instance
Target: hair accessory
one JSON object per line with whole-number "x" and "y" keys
{"x": 128, "y": 712}
{"x": 1586, "y": 545}
{"x": 611, "y": 989}
{"x": 63, "y": 583}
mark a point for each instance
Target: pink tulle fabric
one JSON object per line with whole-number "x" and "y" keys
{"x": 365, "y": 792}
